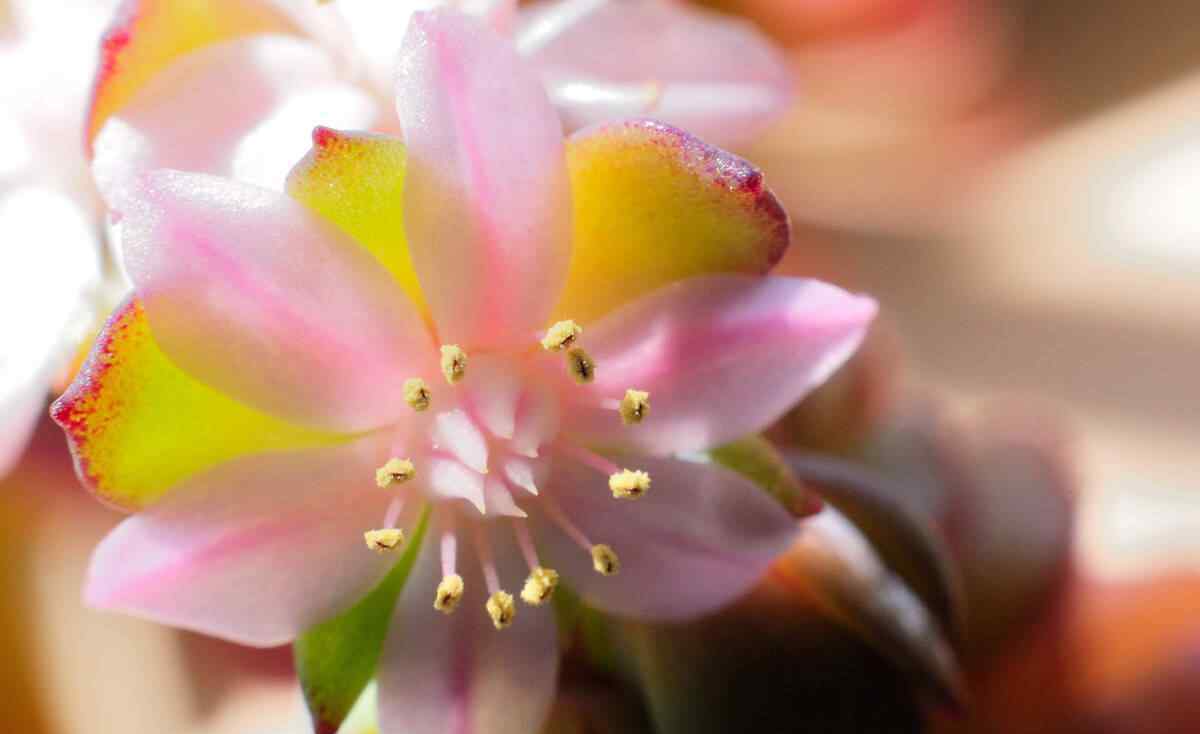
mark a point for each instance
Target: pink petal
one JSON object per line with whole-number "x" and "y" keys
{"x": 450, "y": 479}
{"x": 500, "y": 501}
{"x": 721, "y": 356}
{"x": 249, "y": 292}
{"x": 495, "y": 390}
{"x": 458, "y": 674}
{"x": 487, "y": 202}
{"x": 701, "y": 537}
{"x": 455, "y": 433}
{"x": 244, "y": 108}
{"x": 255, "y": 551}
{"x": 714, "y": 75}
{"x": 537, "y": 421}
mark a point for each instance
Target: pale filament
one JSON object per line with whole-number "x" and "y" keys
{"x": 525, "y": 541}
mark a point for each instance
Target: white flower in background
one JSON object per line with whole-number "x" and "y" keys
{"x": 51, "y": 235}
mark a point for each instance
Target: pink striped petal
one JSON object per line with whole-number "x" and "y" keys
{"x": 243, "y": 108}
{"x": 701, "y": 537}
{"x": 255, "y": 551}
{"x": 458, "y": 674}
{"x": 249, "y": 292}
{"x": 716, "y": 76}
{"x": 487, "y": 202}
{"x": 721, "y": 356}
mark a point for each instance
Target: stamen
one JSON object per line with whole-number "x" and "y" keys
{"x": 417, "y": 394}
{"x": 604, "y": 560}
{"x": 539, "y": 586}
{"x": 395, "y": 471}
{"x": 454, "y": 363}
{"x": 449, "y": 594}
{"x": 629, "y": 484}
{"x": 384, "y": 540}
{"x": 526, "y": 544}
{"x": 450, "y": 590}
{"x": 393, "y": 512}
{"x": 635, "y": 406}
{"x": 500, "y": 606}
{"x": 591, "y": 459}
{"x": 501, "y": 609}
{"x": 559, "y": 518}
{"x": 561, "y": 335}
{"x": 581, "y": 366}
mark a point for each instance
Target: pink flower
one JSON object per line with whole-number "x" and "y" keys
{"x": 234, "y": 88}
{"x": 499, "y": 379}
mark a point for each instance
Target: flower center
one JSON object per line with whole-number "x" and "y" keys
{"x": 478, "y": 447}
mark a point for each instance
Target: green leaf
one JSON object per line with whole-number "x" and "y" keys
{"x": 336, "y": 659}
{"x": 757, "y": 459}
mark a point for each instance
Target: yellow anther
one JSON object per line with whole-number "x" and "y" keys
{"x": 416, "y": 394}
{"x": 454, "y": 363}
{"x": 629, "y": 484}
{"x": 539, "y": 586}
{"x": 605, "y": 560}
{"x": 582, "y": 368}
{"x": 635, "y": 406}
{"x": 449, "y": 594}
{"x": 561, "y": 335}
{"x": 501, "y": 609}
{"x": 394, "y": 471}
{"x": 382, "y": 541}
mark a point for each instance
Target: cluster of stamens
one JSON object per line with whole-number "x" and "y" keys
{"x": 563, "y": 337}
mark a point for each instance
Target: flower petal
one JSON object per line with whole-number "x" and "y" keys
{"x": 457, "y": 673}
{"x": 243, "y": 108}
{"x": 714, "y": 75}
{"x": 486, "y": 199}
{"x": 251, "y": 293}
{"x": 148, "y": 35}
{"x": 138, "y": 425}
{"x": 653, "y": 205}
{"x": 722, "y": 357}
{"x": 356, "y": 182}
{"x": 255, "y": 551}
{"x": 701, "y": 537}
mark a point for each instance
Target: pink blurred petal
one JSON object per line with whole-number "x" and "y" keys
{"x": 697, "y": 540}
{"x": 455, "y": 433}
{"x": 500, "y": 501}
{"x": 721, "y": 356}
{"x": 487, "y": 207}
{"x": 249, "y": 292}
{"x": 451, "y": 480}
{"x": 714, "y": 75}
{"x": 254, "y": 551}
{"x": 458, "y": 674}
{"x": 243, "y": 108}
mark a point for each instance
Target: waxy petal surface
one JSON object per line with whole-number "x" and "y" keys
{"x": 652, "y": 205}
{"x": 255, "y": 551}
{"x": 148, "y": 35}
{"x": 722, "y": 357}
{"x": 138, "y": 425}
{"x": 243, "y": 108}
{"x": 698, "y": 539}
{"x": 714, "y": 75}
{"x": 356, "y": 182}
{"x": 486, "y": 200}
{"x": 459, "y": 674}
{"x": 250, "y": 292}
